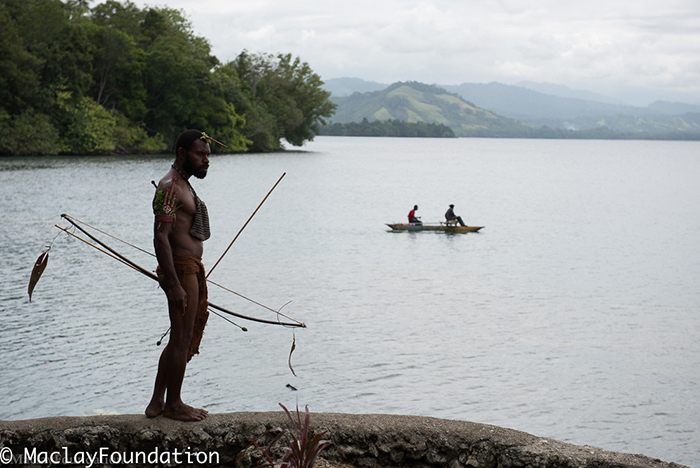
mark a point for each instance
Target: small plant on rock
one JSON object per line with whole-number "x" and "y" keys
{"x": 300, "y": 451}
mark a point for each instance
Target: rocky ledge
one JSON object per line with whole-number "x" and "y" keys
{"x": 365, "y": 441}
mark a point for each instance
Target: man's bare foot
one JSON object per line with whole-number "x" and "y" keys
{"x": 183, "y": 412}
{"x": 154, "y": 409}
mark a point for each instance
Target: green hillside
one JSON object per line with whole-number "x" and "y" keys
{"x": 417, "y": 102}
{"x": 421, "y": 103}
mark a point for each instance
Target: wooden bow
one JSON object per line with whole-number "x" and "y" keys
{"x": 130, "y": 263}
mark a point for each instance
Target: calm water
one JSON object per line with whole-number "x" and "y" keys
{"x": 572, "y": 315}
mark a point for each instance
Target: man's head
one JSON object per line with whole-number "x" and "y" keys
{"x": 452, "y": 206}
{"x": 415, "y": 207}
{"x": 192, "y": 153}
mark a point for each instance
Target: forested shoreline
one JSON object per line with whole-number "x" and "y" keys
{"x": 117, "y": 79}
{"x": 388, "y": 128}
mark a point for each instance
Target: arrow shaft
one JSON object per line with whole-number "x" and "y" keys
{"x": 246, "y": 223}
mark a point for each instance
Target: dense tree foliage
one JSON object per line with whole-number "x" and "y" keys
{"x": 281, "y": 98}
{"x": 389, "y": 128}
{"x": 116, "y": 78}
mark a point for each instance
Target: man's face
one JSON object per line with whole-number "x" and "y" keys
{"x": 197, "y": 159}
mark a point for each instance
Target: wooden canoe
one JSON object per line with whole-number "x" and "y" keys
{"x": 432, "y": 227}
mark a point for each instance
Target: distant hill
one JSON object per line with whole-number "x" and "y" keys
{"x": 417, "y": 102}
{"x": 674, "y": 108}
{"x": 536, "y": 108}
{"x": 566, "y": 92}
{"x": 558, "y": 112}
{"x": 340, "y": 87}
{"x": 519, "y": 105}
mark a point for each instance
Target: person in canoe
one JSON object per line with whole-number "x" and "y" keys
{"x": 451, "y": 217}
{"x": 412, "y": 216}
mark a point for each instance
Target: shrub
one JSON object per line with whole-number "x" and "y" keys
{"x": 28, "y": 134}
{"x": 300, "y": 451}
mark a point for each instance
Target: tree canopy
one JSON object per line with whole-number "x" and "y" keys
{"x": 119, "y": 79}
{"x": 389, "y": 128}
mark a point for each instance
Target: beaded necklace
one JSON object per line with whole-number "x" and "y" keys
{"x": 200, "y": 224}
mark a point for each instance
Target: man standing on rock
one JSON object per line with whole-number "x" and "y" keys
{"x": 181, "y": 226}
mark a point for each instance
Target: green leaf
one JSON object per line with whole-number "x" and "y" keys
{"x": 38, "y": 269}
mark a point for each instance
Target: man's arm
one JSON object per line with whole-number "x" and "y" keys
{"x": 164, "y": 208}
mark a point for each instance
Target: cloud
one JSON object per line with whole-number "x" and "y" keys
{"x": 601, "y": 45}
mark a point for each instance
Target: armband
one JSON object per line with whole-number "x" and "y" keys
{"x": 165, "y": 205}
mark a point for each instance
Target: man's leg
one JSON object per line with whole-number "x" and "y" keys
{"x": 459, "y": 219}
{"x": 155, "y": 407}
{"x": 180, "y": 337}
{"x": 173, "y": 361}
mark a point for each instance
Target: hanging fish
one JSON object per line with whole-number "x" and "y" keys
{"x": 38, "y": 269}
{"x": 294, "y": 345}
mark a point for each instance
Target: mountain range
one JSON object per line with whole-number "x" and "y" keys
{"x": 418, "y": 102}
{"x": 528, "y": 109}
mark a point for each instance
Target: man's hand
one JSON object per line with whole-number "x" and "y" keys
{"x": 177, "y": 297}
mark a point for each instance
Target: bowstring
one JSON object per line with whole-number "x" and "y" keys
{"x": 208, "y": 280}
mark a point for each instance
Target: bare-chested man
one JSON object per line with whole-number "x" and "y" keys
{"x": 181, "y": 226}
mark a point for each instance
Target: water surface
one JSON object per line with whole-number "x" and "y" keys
{"x": 573, "y": 314}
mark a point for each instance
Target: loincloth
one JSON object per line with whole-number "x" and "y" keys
{"x": 189, "y": 265}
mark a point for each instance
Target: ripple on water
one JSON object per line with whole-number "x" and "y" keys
{"x": 570, "y": 316}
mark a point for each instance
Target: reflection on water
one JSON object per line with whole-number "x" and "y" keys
{"x": 572, "y": 315}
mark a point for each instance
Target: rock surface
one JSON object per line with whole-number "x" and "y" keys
{"x": 365, "y": 440}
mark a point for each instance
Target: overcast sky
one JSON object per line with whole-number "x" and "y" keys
{"x": 635, "y": 50}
